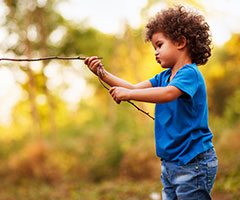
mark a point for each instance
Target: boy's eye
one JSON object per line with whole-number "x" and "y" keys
{"x": 159, "y": 45}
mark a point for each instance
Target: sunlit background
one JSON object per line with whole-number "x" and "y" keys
{"x": 108, "y": 17}
{"x": 60, "y": 130}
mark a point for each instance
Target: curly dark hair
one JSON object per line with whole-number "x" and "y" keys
{"x": 178, "y": 22}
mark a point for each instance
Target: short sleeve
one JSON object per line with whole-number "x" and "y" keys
{"x": 155, "y": 81}
{"x": 186, "y": 80}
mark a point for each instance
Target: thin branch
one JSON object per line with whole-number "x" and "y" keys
{"x": 141, "y": 110}
{"x": 44, "y": 58}
{"x": 103, "y": 84}
{"x": 99, "y": 73}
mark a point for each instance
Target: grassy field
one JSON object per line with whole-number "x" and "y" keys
{"x": 107, "y": 190}
{"x": 63, "y": 169}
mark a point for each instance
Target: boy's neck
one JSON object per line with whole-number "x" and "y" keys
{"x": 181, "y": 62}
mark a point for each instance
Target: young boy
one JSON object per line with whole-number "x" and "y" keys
{"x": 181, "y": 40}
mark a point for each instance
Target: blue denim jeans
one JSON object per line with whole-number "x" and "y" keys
{"x": 193, "y": 181}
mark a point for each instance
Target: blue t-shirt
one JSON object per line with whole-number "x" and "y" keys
{"x": 181, "y": 126}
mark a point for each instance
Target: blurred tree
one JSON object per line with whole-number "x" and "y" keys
{"x": 232, "y": 111}
{"x": 40, "y": 32}
{"x": 32, "y": 23}
{"x": 223, "y": 76}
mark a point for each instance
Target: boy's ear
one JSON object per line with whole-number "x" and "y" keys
{"x": 181, "y": 43}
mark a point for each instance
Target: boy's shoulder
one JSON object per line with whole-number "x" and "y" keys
{"x": 192, "y": 66}
{"x": 190, "y": 69}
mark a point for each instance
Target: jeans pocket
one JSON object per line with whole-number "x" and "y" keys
{"x": 212, "y": 167}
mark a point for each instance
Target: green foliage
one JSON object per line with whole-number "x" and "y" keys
{"x": 232, "y": 111}
{"x": 228, "y": 152}
{"x": 222, "y": 75}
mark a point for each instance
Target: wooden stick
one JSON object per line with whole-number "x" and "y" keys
{"x": 71, "y": 58}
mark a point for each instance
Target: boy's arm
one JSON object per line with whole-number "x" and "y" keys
{"x": 151, "y": 95}
{"x": 94, "y": 63}
{"x": 113, "y": 80}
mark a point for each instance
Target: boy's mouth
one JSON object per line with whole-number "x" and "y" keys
{"x": 158, "y": 60}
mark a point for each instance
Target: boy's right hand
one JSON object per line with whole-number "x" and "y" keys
{"x": 94, "y": 64}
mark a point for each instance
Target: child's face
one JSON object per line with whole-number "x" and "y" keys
{"x": 166, "y": 51}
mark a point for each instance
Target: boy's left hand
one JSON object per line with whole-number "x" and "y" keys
{"x": 120, "y": 94}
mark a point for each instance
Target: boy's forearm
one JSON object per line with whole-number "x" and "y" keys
{"x": 154, "y": 95}
{"x": 112, "y": 80}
